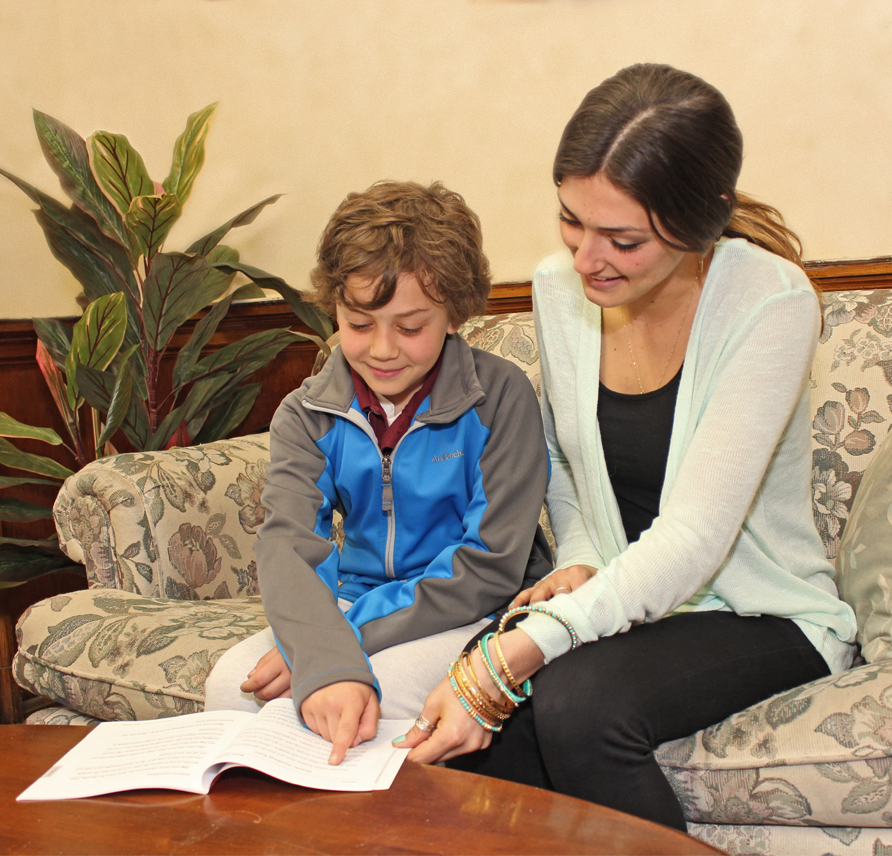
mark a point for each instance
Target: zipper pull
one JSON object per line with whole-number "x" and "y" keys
{"x": 387, "y": 492}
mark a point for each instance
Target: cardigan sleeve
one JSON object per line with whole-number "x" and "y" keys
{"x": 754, "y": 385}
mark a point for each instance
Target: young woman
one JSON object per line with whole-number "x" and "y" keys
{"x": 676, "y": 340}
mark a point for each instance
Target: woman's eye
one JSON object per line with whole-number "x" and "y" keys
{"x": 568, "y": 220}
{"x": 626, "y": 248}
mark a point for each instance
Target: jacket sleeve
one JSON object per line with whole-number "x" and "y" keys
{"x": 470, "y": 579}
{"x": 296, "y": 563}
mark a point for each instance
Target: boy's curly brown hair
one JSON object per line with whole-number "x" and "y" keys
{"x": 399, "y": 227}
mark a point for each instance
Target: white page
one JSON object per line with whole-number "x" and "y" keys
{"x": 159, "y": 753}
{"x": 278, "y": 745}
{"x": 187, "y": 753}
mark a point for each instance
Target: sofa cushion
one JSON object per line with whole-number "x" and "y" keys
{"x": 120, "y": 655}
{"x": 864, "y": 564}
{"x": 818, "y": 754}
{"x": 750, "y": 840}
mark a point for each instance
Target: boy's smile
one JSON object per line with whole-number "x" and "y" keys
{"x": 393, "y": 347}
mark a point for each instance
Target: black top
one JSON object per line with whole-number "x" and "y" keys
{"x": 635, "y": 433}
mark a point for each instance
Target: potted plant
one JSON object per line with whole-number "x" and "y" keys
{"x": 112, "y": 239}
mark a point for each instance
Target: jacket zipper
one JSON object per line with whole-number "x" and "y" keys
{"x": 386, "y": 479}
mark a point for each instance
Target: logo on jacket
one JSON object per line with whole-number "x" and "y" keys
{"x": 458, "y": 453}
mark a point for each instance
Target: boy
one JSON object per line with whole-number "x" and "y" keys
{"x": 432, "y": 451}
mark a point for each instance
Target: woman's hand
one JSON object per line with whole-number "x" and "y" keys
{"x": 456, "y": 733}
{"x": 562, "y": 581}
{"x": 346, "y": 714}
{"x": 270, "y": 678}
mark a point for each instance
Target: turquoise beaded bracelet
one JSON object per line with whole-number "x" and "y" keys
{"x": 472, "y": 713}
{"x": 543, "y": 610}
{"x": 526, "y": 688}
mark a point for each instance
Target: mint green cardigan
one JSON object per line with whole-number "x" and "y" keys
{"x": 735, "y": 528}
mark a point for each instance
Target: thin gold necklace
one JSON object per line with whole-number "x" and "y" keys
{"x": 677, "y": 335}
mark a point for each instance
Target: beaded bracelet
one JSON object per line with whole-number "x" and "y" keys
{"x": 466, "y": 705}
{"x": 544, "y": 610}
{"x": 489, "y": 709}
{"x": 512, "y": 681}
{"x": 500, "y": 684}
{"x": 501, "y": 710}
{"x": 526, "y": 690}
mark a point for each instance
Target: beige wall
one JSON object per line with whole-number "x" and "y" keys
{"x": 320, "y": 98}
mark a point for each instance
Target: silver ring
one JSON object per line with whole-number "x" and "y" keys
{"x": 559, "y": 589}
{"x": 423, "y": 725}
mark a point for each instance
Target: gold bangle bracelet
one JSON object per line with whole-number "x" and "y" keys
{"x": 507, "y": 706}
{"x": 480, "y": 698}
{"x": 512, "y": 682}
{"x": 467, "y": 696}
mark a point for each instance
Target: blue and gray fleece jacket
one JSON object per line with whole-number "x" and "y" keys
{"x": 439, "y": 534}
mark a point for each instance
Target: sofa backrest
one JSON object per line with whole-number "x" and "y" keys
{"x": 181, "y": 523}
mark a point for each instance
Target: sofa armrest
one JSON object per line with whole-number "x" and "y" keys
{"x": 179, "y": 523}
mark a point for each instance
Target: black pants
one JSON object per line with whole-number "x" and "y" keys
{"x": 597, "y": 713}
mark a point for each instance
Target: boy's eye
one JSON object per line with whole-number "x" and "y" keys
{"x": 358, "y": 326}
{"x": 626, "y": 248}
{"x": 410, "y": 331}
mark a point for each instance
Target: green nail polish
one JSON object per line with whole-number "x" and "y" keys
{"x": 398, "y": 740}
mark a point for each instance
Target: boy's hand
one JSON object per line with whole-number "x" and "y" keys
{"x": 345, "y": 713}
{"x": 560, "y": 582}
{"x": 270, "y": 678}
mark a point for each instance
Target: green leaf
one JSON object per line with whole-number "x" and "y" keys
{"x": 226, "y": 417}
{"x": 20, "y": 563}
{"x": 97, "y": 389}
{"x": 216, "y": 282}
{"x": 204, "y": 245}
{"x": 10, "y": 427}
{"x": 100, "y": 264}
{"x": 10, "y": 456}
{"x": 97, "y": 338}
{"x": 118, "y": 169}
{"x": 55, "y": 336}
{"x": 308, "y": 312}
{"x": 188, "y": 154}
{"x": 165, "y": 430}
{"x": 201, "y": 335}
{"x": 169, "y": 295}
{"x": 97, "y": 273}
{"x": 149, "y": 221}
{"x": 249, "y": 291}
{"x": 247, "y": 355}
{"x": 19, "y": 511}
{"x": 120, "y": 402}
{"x": 66, "y": 153}
{"x": 199, "y": 400}
{"x": 15, "y": 481}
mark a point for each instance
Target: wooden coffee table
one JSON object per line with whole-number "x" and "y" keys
{"x": 428, "y": 810}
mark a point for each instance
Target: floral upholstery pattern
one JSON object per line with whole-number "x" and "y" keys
{"x": 166, "y": 538}
{"x": 851, "y": 400}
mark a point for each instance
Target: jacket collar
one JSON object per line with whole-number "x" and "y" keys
{"x": 457, "y": 388}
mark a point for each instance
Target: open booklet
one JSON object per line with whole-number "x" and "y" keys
{"x": 187, "y": 753}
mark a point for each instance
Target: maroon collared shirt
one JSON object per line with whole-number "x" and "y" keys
{"x": 389, "y": 435}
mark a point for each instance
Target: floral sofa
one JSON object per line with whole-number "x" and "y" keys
{"x": 166, "y": 538}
